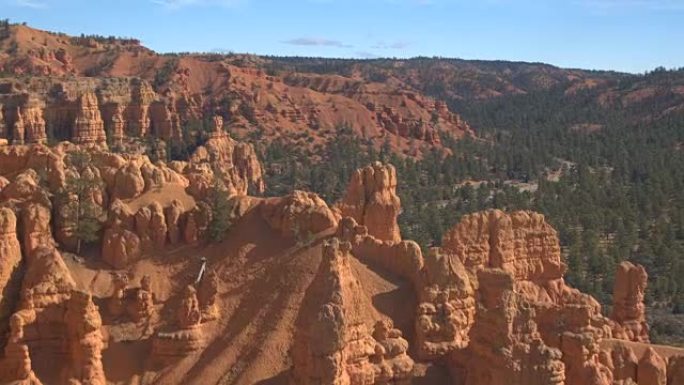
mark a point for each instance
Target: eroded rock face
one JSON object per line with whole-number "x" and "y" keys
{"x": 129, "y": 182}
{"x": 652, "y": 369}
{"x": 403, "y": 258}
{"x": 526, "y": 246}
{"x": 120, "y": 247}
{"x": 371, "y": 199}
{"x": 47, "y": 278}
{"x": 142, "y": 96}
{"x": 446, "y": 311}
{"x": 234, "y": 162}
{"x": 584, "y": 363}
{"x": 522, "y": 243}
{"x": 189, "y": 314}
{"x": 86, "y": 342}
{"x": 16, "y": 367}
{"x": 140, "y": 304}
{"x": 333, "y": 344}
{"x": 391, "y": 361}
{"x": 623, "y": 364}
{"x": 505, "y": 346}
{"x": 10, "y": 259}
{"x": 675, "y": 370}
{"x": 206, "y": 295}
{"x": 34, "y": 124}
{"x": 628, "y": 303}
{"x": 300, "y": 215}
{"x": 36, "y": 228}
{"x": 88, "y": 126}
{"x": 173, "y": 216}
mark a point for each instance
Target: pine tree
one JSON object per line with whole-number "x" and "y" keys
{"x": 80, "y": 210}
{"x": 222, "y": 216}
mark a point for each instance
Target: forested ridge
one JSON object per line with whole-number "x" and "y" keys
{"x": 609, "y": 178}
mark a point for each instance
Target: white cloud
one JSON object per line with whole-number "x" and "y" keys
{"x": 35, "y": 4}
{"x": 317, "y": 41}
{"x": 394, "y": 45}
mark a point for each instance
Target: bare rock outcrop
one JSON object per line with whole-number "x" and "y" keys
{"x": 300, "y": 215}
{"x": 522, "y": 243}
{"x": 140, "y": 301}
{"x": 623, "y": 364}
{"x": 372, "y": 201}
{"x": 628, "y": 303}
{"x": 188, "y": 336}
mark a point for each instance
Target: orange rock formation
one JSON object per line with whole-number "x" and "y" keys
{"x": 628, "y": 303}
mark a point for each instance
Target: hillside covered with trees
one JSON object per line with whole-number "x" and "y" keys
{"x": 609, "y": 178}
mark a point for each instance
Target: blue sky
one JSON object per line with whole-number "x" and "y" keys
{"x": 624, "y": 35}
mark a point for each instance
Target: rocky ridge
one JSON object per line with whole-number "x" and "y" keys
{"x": 124, "y": 92}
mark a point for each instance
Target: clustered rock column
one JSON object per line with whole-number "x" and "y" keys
{"x": 165, "y": 120}
{"x": 34, "y": 124}
{"x": 18, "y": 129}
{"x": 140, "y": 307}
{"x": 86, "y": 341}
{"x": 16, "y": 366}
{"x": 88, "y": 126}
{"x": 447, "y": 306}
{"x": 3, "y": 125}
{"x": 628, "y": 303}
{"x": 189, "y": 314}
{"x": 505, "y": 345}
{"x": 372, "y": 201}
{"x": 334, "y": 345}
{"x": 206, "y": 295}
{"x": 129, "y": 235}
{"x": 10, "y": 259}
{"x": 138, "y": 110}
{"x": 117, "y": 124}
{"x": 29, "y": 125}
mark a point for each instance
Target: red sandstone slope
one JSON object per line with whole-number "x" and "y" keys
{"x": 302, "y": 108}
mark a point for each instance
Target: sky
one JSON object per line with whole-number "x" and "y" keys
{"x": 622, "y": 35}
